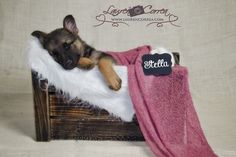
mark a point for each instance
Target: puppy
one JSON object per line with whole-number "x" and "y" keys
{"x": 70, "y": 51}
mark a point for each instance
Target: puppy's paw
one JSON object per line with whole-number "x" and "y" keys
{"x": 86, "y": 67}
{"x": 85, "y": 63}
{"x": 114, "y": 83}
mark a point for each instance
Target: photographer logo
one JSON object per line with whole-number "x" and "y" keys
{"x": 147, "y": 14}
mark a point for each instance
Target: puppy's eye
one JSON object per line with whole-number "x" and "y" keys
{"x": 66, "y": 46}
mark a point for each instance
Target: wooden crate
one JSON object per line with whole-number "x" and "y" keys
{"x": 58, "y": 118}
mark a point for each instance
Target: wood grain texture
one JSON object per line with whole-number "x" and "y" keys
{"x": 94, "y": 129}
{"x": 77, "y": 119}
{"x": 76, "y": 108}
{"x": 41, "y": 110}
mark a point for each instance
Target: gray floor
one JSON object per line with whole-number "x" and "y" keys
{"x": 17, "y": 137}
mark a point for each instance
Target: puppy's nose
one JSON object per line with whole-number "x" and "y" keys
{"x": 69, "y": 62}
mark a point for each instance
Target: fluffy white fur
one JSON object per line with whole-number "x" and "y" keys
{"x": 87, "y": 85}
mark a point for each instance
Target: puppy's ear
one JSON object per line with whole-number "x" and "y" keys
{"x": 70, "y": 25}
{"x": 40, "y": 35}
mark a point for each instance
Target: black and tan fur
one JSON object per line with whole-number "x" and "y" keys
{"x": 70, "y": 51}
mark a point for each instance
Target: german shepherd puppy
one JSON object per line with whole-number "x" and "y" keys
{"x": 70, "y": 51}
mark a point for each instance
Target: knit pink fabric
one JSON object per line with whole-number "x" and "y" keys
{"x": 164, "y": 109}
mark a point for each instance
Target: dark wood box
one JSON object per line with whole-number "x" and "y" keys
{"x": 58, "y": 118}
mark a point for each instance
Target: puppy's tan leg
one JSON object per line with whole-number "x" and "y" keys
{"x": 85, "y": 63}
{"x": 112, "y": 79}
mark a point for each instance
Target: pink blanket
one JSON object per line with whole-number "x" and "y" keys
{"x": 164, "y": 109}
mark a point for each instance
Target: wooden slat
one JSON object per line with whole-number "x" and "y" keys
{"x": 94, "y": 130}
{"x": 59, "y": 106}
{"x": 41, "y": 110}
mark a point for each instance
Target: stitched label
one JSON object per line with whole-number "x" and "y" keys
{"x": 156, "y": 64}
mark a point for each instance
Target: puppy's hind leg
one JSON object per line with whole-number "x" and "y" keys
{"x": 109, "y": 74}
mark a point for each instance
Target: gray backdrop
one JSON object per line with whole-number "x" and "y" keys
{"x": 206, "y": 41}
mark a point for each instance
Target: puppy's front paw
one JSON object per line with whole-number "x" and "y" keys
{"x": 85, "y": 63}
{"x": 86, "y": 67}
{"x": 114, "y": 83}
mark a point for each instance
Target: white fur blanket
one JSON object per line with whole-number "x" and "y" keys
{"x": 86, "y": 85}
